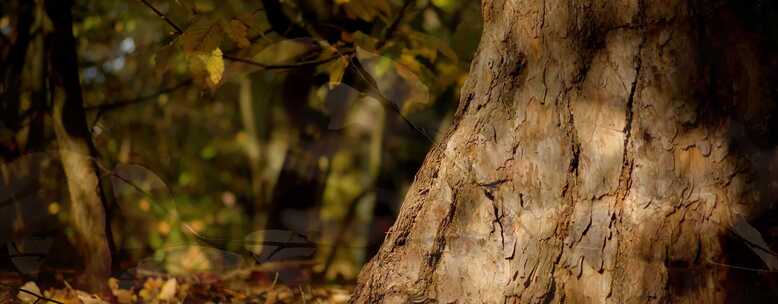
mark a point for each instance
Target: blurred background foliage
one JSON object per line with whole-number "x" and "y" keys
{"x": 230, "y": 125}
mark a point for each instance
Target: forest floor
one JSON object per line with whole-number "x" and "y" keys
{"x": 243, "y": 286}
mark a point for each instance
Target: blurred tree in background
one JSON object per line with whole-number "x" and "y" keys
{"x": 224, "y": 133}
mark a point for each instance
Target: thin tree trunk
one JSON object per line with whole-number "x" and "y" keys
{"x": 350, "y": 194}
{"x": 87, "y": 209}
{"x": 253, "y": 149}
{"x": 266, "y": 148}
{"x": 602, "y": 151}
{"x": 11, "y": 82}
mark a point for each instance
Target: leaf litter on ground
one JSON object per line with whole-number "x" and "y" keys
{"x": 254, "y": 284}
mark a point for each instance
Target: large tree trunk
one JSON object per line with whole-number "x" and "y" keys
{"x": 602, "y": 151}
{"x": 87, "y": 201}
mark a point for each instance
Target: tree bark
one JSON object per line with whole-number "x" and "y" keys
{"x": 602, "y": 151}
{"x": 87, "y": 209}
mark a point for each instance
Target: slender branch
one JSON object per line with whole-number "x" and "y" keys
{"x": 375, "y": 92}
{"x": 163, "y": 16}
{"x": 389, "y": 32}
{"x": 209, "y": 240}
{"x": 740, "y": 267}
{"x": 128, "y": 102}
{"x": 106, "y": 107}
{"x": 287, "y": 65}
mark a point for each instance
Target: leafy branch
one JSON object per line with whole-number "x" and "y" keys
{"x": 373, "y": 89}
{"x": 233, "y": 58}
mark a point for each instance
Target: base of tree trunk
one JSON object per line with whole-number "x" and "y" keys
{"x": 603, "y": 151}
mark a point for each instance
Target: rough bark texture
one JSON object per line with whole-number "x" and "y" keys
{"x": 603, "y": 151}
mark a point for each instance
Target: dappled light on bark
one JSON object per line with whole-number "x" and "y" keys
{"x": 590, "y": 160}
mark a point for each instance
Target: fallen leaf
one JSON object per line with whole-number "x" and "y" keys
{"x": 168, "y": 291}
{"x": 25, "y": 291}
{"x": 89, "y": 298}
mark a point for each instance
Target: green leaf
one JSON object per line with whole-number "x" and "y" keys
{"x": 208, "y": 152}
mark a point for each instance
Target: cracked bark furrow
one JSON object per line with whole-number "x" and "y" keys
{"x": 626, "y": 172}
{"x": 433, "y": 257}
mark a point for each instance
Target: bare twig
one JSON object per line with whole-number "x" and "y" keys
{"x": 740, "y": 267}
{"x": 287, "y": 65}
{"x": 106, "y": 107}
{"x": 389, "y": 32}
{"x": 128, "y": 102}
{"x": 38, "y": 297}
{"x": 163, "y": 16}
{"x": 375, "y": 92}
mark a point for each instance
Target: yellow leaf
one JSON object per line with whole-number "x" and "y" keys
{"x": 150, "y": 289}
{"x": 238, "y": 32}
{"x": 28, "y": 295}
{"x": 337, "y": 68}
{"x": 204, "y": 35}
{"x": 86, "y": 298}
{"x": 215, "y": 66}
{"x": 122, "y": 296}
{"x": 168, "y": 291}
{"x": 408, "y": 60}
{"x": 207, "y": 68}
